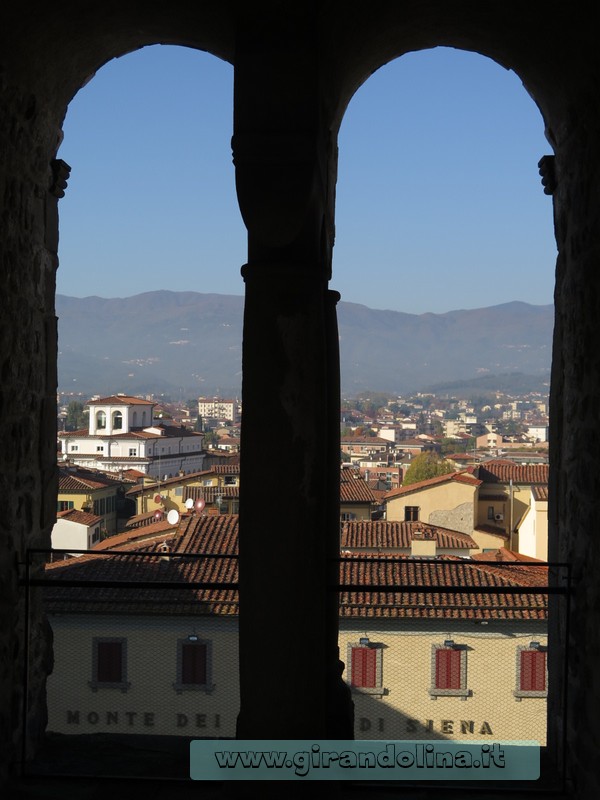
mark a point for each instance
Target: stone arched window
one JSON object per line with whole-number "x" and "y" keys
{"x": 100, "y": 419}
{"x": 117, "y": 421}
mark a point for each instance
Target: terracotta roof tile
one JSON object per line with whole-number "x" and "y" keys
{"x": 380, "y": 534}
{"x": 459, "y": 477}
{"x": 115, "y": 399}
{"x": 402, "y": 597}
{"x": 72, "y": 480}
{"x": 81, "y": 517}
{"x": 210, "y": 493}
{"x": 403, "y": 581}
{"x": 503, "y": 471}
{"x": 356, "y": 491}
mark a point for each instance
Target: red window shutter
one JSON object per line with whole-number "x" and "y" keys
{"x": 533, "y": 671}
{"x": 109, "y": 660}
{"x": 193, "y": 664}
{"x": 364, "y": 667}
{"x": 447, "y": 669}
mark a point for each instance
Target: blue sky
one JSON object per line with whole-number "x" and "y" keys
{"x": 439, "y": 200}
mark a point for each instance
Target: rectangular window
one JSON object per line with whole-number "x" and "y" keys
{"x": 109, "y": 664}
{"x": 365, "y": 668}
{"x": 411, "y": 513}
{"x": 100, "y": 507}
{"x": 74, "y": 448}
{"x": 532, "y": 676}
{"x": 490, "y": 512}
{"x": 100, "y": 448}
{"x": 449, "y": 671}
{"x": 230, "y": 480}
{"x": 133, "y": 451}
{"x": 64, "y": 505}
{"x": 194, "y": 665}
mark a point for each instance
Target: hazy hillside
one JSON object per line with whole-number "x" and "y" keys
{"x": 186, "y": 343}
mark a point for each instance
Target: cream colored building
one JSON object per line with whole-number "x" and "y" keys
{"x": 533, "y": 526}
{"x": 220, "y": 481}
{"x": 419, "y": 665}
{"x": 90, "y": 492}
{"x": 447, "y": 500}
{"x": 76, "y": 530}
{"x": 490, "y": 501}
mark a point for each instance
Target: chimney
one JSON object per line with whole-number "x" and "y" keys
{"x": 423, "y": 544}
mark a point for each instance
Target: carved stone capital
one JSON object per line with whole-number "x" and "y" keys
{"x": 60, "y": 175}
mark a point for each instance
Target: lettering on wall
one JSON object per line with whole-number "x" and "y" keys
{"x": 445, "y": 726}
{"x": 142, "y": 719}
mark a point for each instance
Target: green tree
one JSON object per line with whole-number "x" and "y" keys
{"x": 76, "y": 416}
{"x": 427, "y": 465}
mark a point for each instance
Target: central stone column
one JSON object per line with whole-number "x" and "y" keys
{"x": 290, "y": 674}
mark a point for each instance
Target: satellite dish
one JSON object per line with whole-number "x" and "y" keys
{"x": 157, "y": 498}
{"x": 173, "y": 517}
{"x": 200, "y": 505}
{"x": 189, "y": 503}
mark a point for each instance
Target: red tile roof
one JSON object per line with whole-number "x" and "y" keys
{"x": 401, "y": 583}
{"x": 81, "y": 517}
{"x": 504, "y": 554}
{"x": 380, "y": 534}
{"x": 195, "y": 535}
{"x": 540, "y": 493}
{"x": 115, "y": 399}
{"x": 458, "y": 477}
{"x": 74, "y": 480}
{"x": 503, "y": 471}
{"x": 406, "y": 600}
{"x": 210, "y": 493}
{"x": 356, "y": 490}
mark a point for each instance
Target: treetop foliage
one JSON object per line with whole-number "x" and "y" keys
{"x": 425, "y": 466}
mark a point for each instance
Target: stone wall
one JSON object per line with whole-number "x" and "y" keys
{"x": 336, "y": 46}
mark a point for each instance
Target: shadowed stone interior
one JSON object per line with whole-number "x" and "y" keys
{"x": 297, "y": 66}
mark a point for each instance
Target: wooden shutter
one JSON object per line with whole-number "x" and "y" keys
{"x": 364, "y": 667}
{"x": 109, "y": 662}
{"x": 533, "y": 671}
{"x": 447, "y": 669}
{"x": 193, "y": 664}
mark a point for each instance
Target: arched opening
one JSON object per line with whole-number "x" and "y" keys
{"x": 445, "y": 256}
{"x": 148, "y": 291}
{"x": 46, "y": 57}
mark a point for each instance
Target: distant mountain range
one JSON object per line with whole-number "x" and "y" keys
{"x": 186, "y": 344}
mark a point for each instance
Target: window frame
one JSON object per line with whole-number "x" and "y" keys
{"x": 95, "y": 684}
{"x": 462, "y": 691}
{"x": 378, "y": 689}
{"x": 519, "y": 692}
{"x": 411, "y": 513}
{"x": 208, "y": 686}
